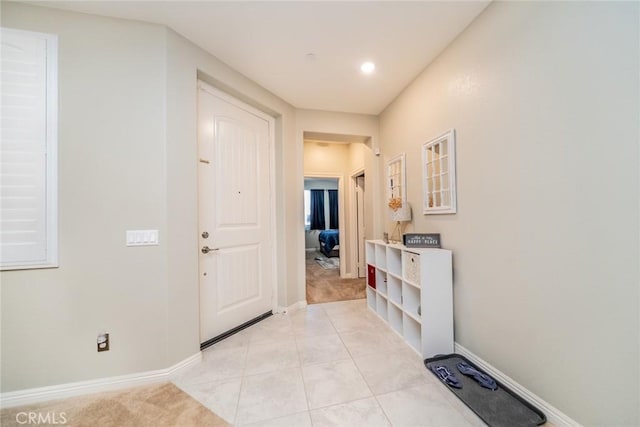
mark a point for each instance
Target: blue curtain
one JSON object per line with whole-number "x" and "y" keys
{"x": 333, "y": 209}
{"x": 317, "y": 210}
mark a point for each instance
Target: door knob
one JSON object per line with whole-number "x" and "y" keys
{"x": 207, "y": 249}
{"x": 205, "y": 234}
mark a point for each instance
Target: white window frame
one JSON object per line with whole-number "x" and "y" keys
{"x": 51, "y": 154}
{"x": 396, "y": 178}
{"x": 307, "y": 209}
{"x": 439, "y": 174}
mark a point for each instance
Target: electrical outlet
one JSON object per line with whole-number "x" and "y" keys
{"x": 103, "y": 342}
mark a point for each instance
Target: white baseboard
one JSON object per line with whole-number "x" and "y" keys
{"x": 293, "y": 307}
{"x": 554, "y": 415}
{"x": 62, "y": 391}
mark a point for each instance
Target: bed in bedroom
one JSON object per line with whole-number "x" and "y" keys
{"x": 329, "y": 243}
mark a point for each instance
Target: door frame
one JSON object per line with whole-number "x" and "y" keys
{"x": 201, "y": 84}
{"x": 341, "y": 219}
{"x": 353, "y": 234}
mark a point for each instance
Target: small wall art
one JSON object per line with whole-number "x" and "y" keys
{"x": 439, "y": 174}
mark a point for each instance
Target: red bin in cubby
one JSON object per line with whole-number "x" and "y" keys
{"x": 371, "y": 276}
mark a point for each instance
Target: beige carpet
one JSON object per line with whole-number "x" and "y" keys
{"x": 156, "y": 405}
{"x": 325, "y": 285}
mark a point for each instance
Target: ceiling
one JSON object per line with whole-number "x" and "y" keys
{"x": 269, "y": 42}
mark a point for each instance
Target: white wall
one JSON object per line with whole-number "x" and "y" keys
{"x": 185, "y": 61}
{"x": 111, "y": 178}
{"x": 358, "y": 154}
{"x": 544, "y": 97}
{"x": 127, "y": 150}
{"x": 324, "y": 158}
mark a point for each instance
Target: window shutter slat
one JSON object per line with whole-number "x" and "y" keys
{"x": 24, "y": 142}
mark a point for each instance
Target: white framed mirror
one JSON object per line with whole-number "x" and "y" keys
{"x": 399, "y": 209}
{"x": 396, "y": 179}
{"x": 439, "y": 174}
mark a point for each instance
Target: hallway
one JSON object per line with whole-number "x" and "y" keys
{"x": 325, "y": 285}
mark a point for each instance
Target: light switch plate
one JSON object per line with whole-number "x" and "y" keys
{"x": 142, "y": 237}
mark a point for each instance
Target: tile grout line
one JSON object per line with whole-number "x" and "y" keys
{"x": 242, "y": 380}
{"x": 304, "y": 383}
{"x": 299, "y": 366}
{"x": 375, "y": 397}
{"x": 364, "y": 379}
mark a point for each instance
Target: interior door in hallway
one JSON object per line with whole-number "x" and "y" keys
{"x": 235, "y": 213}
{"x": 360, "y": 230}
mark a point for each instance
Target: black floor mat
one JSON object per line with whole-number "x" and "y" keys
{"x": 497, "y": 408}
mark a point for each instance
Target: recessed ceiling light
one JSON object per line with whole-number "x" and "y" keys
{"x": 368, "y": 67}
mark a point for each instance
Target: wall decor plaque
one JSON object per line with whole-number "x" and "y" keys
{"x": 421, "y": 240}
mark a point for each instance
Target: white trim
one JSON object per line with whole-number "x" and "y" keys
{"x": 451, "y": 208}
{"x": 50, "y": 152}
{"x": 353, "y": 221}
{"x": 42, "y": 394}
{"x": 403, "y": 176}
{"x": 554, "y": 415}
{"x": 274, "y": 211}
{"x": 293, "y": 307}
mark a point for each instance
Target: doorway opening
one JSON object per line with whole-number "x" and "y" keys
{"x": 332, "y": 231}
{"x": 324, "y": 253}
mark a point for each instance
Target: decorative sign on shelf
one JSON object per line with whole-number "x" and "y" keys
{"x": 421, "y": 240}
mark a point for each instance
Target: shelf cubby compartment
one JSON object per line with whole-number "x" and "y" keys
{"x": 394, "y": 289}
{"x": 411, "y": 268}
{"x": 411, "y": 299}
{"x": 412, "y": 332}
{"x": 381, "y": 256}
{"x": 381, "y": 281}
{"x": 395, "y": 318}
{"x": 370, "y": 252}
{"x": 371, "y": 298}
{"x": 394, "y": 260}
{"x": 381, "y": 306}
{"x": 371, "y": 275}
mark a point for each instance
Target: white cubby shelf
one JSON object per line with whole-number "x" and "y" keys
{"x": 411, "y": 290}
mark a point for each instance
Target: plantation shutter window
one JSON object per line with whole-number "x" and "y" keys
{"x": 28, "y": 160}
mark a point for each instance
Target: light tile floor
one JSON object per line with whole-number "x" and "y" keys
{"x": 333, "y": 364}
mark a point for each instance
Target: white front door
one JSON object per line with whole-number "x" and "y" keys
{"x": 235, "y": 212}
